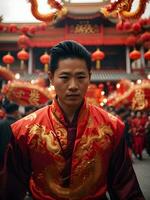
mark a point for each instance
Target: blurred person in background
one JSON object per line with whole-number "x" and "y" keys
{"x": 11, "y": 115}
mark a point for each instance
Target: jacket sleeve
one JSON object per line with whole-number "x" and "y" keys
{"x": 122, "y": 181}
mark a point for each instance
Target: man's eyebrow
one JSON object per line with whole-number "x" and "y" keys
{"x": 64, "y": 73}
{"x": 81, "y": 73}
{"x": 69, "y": 73}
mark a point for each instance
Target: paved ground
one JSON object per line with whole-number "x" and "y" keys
{"x": 142, "y": 169}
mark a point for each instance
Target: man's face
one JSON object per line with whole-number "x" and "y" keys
{"x": 71, "y": 80}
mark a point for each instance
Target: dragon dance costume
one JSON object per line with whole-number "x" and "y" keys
{"x": 81, "y": 160}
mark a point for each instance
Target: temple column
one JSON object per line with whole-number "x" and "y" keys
{"x": 142, "y": 57}
{"x": 128, "y": 66}
{"x": 30, "y": 63}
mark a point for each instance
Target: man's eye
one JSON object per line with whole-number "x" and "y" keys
{"x": 81, "y": 77}
{"x": 64, "y": 77}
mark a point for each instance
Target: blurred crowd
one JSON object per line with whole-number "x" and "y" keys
{"x": 137, "y": 129}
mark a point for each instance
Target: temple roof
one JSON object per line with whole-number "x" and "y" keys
{"x": 82, "y": 12}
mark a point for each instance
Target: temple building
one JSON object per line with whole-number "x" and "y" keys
{"x": 83, "y": 23}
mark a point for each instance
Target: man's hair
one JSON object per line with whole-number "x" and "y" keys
{"x": 69, "y": 49}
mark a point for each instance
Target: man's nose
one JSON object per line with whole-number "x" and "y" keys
{"x": 73, "y": 84}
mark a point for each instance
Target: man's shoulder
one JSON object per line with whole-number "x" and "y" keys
{"x": 32, "y": 118}
{"x": 106, "y": 117}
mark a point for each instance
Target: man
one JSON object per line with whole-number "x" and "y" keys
{"x": 71, "y": 150}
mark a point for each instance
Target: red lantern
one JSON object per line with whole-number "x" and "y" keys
{"x": 12, "y": 28}
{"x": 23, "y": 56}
{"x": 147, "y": 44}
{"x": 1, "y": 27}
{"x": 24, "y": 29}
{"x": 119, "y": 26}
{"x": 145, "y": 36}
{"x": 45, "y": 59}
{"x": 32, "y": 29}
{"x": 127, "y": 25}
{"x": 147, "y": 55}
{"x": 136, "y": 27}
{"x": 23, "y": 41}
{"x": 131, "y": 40}
{"x": 8, "y": 59}
{"x": 142, "y": 21}
{"x": 134, "y": 55}
{"x": 42, "y": 26}
{"x": 98, "y": 56}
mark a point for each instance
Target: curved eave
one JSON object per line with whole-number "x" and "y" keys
{"x": 84, "y": 8}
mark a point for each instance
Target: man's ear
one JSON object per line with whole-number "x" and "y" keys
{"x": 50, "y": 76}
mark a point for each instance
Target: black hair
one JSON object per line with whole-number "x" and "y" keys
{"x": 69, "y": 49}
{"x": 9, "y": 107}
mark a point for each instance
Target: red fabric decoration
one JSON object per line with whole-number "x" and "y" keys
{"x": 6, "y": 74}
{"x": 25, "y": 93}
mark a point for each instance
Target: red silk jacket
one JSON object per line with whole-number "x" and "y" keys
{"x": 100, "y": 162}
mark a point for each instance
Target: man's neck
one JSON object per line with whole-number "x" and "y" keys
{"x": 69, "y": 112}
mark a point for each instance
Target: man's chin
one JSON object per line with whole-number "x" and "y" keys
{"x": 73, "y": 102}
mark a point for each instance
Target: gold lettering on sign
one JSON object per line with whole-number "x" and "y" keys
{"x": 19, "y": 94}
{"x": 139, "y": 102}
{"x": 34, "y": 97}
{"x": 85, "y": 28}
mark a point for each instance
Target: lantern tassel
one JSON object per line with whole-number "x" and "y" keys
{"x": 22, "y": 64}
{"x": 98, "y": 64}
{"x": 46, "y": 67}
{"x": 8, "y": 66}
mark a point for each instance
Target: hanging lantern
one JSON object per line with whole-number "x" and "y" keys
{"x": 98, "y": 56}
{"x": 23, "y": 56}
{"x": 42, "y": 26}
{"x": 8, "y": 59}
{"x": 45, "y": 59}
{"x": 127, "y": 25}
{"x": 131, "y": 40}
{"x": 143, "y": 21}
{"x": 135, "y": 54}
{"x": 32, "y": 29}
{"x": 136, "y": 27}
{"x": 147, "y": 55}
{"x": 2, "y": 27}
{"x": 24, "y": 29}
{"x": 145, "y": 36}
{"x": 119, "y": 26}
{"x": 23, "y": 41}
{"x": 12, "y": 28}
